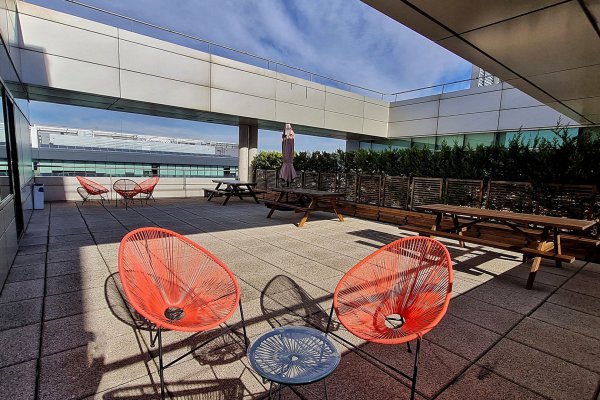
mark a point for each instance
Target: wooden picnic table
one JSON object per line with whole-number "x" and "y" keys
{"x": 544, "y": 244}
{"x": 307, "y": 201}
{"x": 234, "y": 187}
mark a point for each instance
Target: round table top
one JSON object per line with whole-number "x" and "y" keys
{"x": 293, "y": 355}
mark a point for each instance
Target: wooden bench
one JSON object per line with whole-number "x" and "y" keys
{"x": 283, "y": 206}
{"x": 492, "y": 243}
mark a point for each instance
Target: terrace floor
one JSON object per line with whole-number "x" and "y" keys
{"x": 65, "y": 332}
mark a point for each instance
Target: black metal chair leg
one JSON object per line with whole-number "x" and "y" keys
{"x": 325, "y": 386}
{"x": 329, "y": 322}
{"x": 244, "y": 326}
{"x": 415, "y": 370}
{"x": 408, "y": 347}
{"x": 160, "y": 364}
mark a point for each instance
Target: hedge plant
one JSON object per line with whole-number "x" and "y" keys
{"x": 564, "y": 159}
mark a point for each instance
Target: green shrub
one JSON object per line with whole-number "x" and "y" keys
{"x": 564, "y": 159}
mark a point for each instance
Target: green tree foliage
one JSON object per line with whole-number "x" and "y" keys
{"x": 563, "y": 159}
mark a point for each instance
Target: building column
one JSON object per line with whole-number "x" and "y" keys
{"x": 252, "y": 149}
{"x": 244, "y": 134}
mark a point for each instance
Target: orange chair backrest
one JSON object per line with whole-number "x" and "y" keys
{"x": 411, "y": 275}
{"x": 91, "y": 187}
{"x": 149, "y": 184}
{"x": 160, "y": 269}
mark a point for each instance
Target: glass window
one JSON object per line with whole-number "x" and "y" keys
{"x": 480, "y": 139}
{"x": 427, "y": 142}
{"x": 450, "y": 140}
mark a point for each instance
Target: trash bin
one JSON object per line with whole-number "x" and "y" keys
{"x": 38, "y": 196}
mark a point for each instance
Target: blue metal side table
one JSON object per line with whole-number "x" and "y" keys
{"x": 292, "y": 356}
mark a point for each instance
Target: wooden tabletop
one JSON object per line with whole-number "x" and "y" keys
{"x": 540, "y": 220}
{"x": 234, "y": 182}
{"x": 309, "y": 192}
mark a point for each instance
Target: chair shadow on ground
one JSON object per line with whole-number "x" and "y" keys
{"x": 223, "y": 348}
{"x": 212, "y": 389}
{"x": 283, "y": 302}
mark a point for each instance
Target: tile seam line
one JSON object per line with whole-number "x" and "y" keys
{"x": 38, "y": 368}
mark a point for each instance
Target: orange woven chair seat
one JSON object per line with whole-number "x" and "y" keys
{"x": 127, "y": 188}
{"x": 93, "y": 188}
{"x": 174, "y": 283}
{"x": 147, "y": 186}
{"x": 398, "y": 293}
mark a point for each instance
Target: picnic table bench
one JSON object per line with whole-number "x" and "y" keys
{"x": 541, "y": 234}
{"x": 233, "y": 187}
{"x": 307, "y": 201}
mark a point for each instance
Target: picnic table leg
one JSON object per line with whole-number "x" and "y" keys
{"x": 306, "y": 213}
{"x": 438, "y": 222}
{"x": 557, "y": 246}
{"x": 281, "y": 194}
{"x": 210, "y": 196}
{"x": 333, "y": 205}
{"x": 535, "y": 264}
{"x": 458, "y": 229}
{"x": 253, "y": 194}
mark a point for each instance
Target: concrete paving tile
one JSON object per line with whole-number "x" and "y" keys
{"x": 567, "y": 318}
{"x": 462, "y": 285}
{"x": 479, "y": 383}
{"x": 570, "y": 346}
{"x": 37, "y": 240}
{"x": 18, "y": 381}
{"x": 357, "y": 378}
{"x": 542, "y": 276}
{"x": 74, "y": 238}
{"x": 71, "y": 303}
{"x": 584, "y": 282}
{"x": 517, "y": 300}
{"x": 25, "y": 273}
{"x": 139, "y": 389}
{"x": 74, "y": 282}
{"x": 22, "y": 290}
{"x": 592, "y": 267}
{"x": 32, "y": 249}
{"x": 94, "y": 327}
{"x": 19, "y": 344}
{"x": 73, "y": 267}
{"x": 29, "y": 259}
{"x": 576, "y": 301}
{"x": 540, "y": 372}
{"x": 437, "y": 366}
{"x": 20, "y": 313}
{"x": 88, "y": 254}
{"x": 92, "y": 368}
{"x": 472, "y": 341}
{"x": 497, "y": 319}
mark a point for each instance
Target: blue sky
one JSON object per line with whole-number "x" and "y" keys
{"x": 343, "y": 39}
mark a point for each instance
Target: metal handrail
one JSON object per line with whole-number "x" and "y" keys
{"x": 311, "y": 75}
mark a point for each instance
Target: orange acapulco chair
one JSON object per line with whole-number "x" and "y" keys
{"x": 127, "y": 189}
{"x": 147, "y": 187}
{"x": 396, "y": 295}
{"x": 90, "y": 188}
{"x": 176, "y": 285}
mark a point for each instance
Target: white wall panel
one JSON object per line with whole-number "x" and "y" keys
{"x": 299, "y": 94}
{"x": 343, "y": 122}
{"x": 420, "y": 127}
{"x": 376, "y": 111}
{"x": 295, "y": 114}
{"x": 243, "y": 105}
{"x": 153, "y": 89}
{"x": 64, "y": 73}
{"x": 531, "y": 117}
{"x": 471, "y": 103}
{"x": 343, "y": 104}
{"x": 235, "y": 80}
{"x": 141, "y": 58}
{"x": 514, "y": 98}
{"x": 375, "y": 128}
{"x": 68, "y": 41}
{"x": 414, "y": 111}
{"x": 478, "y": 122}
